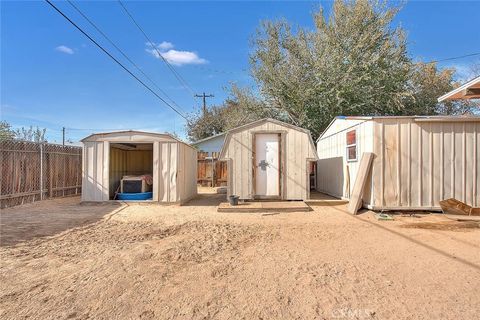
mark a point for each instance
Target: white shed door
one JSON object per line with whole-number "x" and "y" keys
{"x": 267, "y": 162}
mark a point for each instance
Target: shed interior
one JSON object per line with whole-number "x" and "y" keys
{"x": 128, "y": 159}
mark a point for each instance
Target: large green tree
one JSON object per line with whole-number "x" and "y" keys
{"x": 352, "y": 63}
{"x": 240, "y": 108}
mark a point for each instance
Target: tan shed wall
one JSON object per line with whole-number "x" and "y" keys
{"x": 187, "y": 173}
{"x": 418, "y": 164}
{"x": 296, "y": 149}
{"x": 334, "y": 172}
{"x": 118, "y": 167}
{"x": 95, "y": 171}
{"x": 174, "y": 169}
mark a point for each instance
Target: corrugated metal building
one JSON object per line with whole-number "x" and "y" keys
{"x": 269, "y": 159}
{"x": 418, "y": 160}
{"x": 107, "y": 157}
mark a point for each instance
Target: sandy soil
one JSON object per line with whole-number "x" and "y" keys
{"x": 190, "y": 262}
{"x": 48, "y": 218}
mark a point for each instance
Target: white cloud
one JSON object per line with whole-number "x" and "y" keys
{"x": 175, "y": 57}
{"x": 180, "y": 58}
{"x": 65, "y": 49}
{"x": 165, "y": 45}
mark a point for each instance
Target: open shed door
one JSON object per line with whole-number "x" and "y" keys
{"x": 267, "y": 165}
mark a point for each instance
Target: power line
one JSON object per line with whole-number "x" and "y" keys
{"x": 455, "y": 58}
{"x": 109, "y": 129}
{"x": 114, "y": 59}
{"x": 172, "y": 69}
{"x": 123, "y": 53}
{"x": 243, "y": 70}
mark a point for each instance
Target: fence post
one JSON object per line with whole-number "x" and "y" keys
{"x": 213, "y": 172}
{"x": 41, "y": 171}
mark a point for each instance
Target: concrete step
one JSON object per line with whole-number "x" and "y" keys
{"x": 330, "y": 202}
{"x": 265, "y": 206}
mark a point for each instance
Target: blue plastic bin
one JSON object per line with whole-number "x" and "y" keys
{"x": 135, "y": 196}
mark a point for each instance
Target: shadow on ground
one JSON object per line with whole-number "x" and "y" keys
{"x": 207, "y": 200}
{"x": 48, "y": 218}
{"x": 433, "y": 247}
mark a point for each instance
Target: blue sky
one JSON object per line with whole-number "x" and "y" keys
{"x": 52, "y": 76}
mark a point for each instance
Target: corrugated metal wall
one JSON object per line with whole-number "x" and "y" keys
{"x": 167, "y": 171}
{"x": 173, "y": 168}
{"x": 296, "y": 149}
{"x": 418, "y": 163}
{"x": 95, "y": 171}
{"x": 187, "y": 185}
{"x": 333, "y": 176}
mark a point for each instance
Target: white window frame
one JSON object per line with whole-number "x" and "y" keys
{"x": 351, "y": 145}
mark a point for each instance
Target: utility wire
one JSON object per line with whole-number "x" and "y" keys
{"x": 172, "y": 69}
{"x": 123, "y": 54}
{"x": 455, "y": 58}
{"x": 114, "y": 59}
{"x": 109, "y": 129}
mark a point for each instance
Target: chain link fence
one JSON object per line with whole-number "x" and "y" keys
{"x": 35, "y": 171}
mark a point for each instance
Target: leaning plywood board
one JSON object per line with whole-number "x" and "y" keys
{"x": 362, "y": 174}
{"x": 454, "y": 206}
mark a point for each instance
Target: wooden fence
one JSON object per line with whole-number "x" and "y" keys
{"x": 33, "y": 171}
{"x": 210, "y": 171}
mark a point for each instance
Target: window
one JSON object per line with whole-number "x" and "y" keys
{"x": 352, "y": 145}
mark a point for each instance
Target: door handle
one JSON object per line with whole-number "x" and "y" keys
{"x": 263, "y": 165}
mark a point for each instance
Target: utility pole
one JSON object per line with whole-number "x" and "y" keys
{"x": 63, "y": 136}
{"x": 204, "y": 96}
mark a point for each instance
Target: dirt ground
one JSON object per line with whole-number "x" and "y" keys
{"x": 190, "y": 262}
{"x": 35, "y": 220}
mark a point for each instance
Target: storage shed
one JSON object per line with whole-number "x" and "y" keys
{"x": 107, "y": 157}
{"x": 418, "y": 160}
{"x": 269, "y": 159}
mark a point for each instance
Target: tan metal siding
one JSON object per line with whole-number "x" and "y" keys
{"x": 163, "y": 185}
{"x": 296, "y": 149}
{"x": 332, "y": 173}
{"x": 93, "y": 172}
{"x": 174, "y": 172}
{"x": 156, "y": 171}
{"x": 186, "y": 178}
{"x": 420, "y": 163}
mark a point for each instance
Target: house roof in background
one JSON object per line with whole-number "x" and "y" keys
{"x": 208, "y": 138}
{"x": 469, "y": 90}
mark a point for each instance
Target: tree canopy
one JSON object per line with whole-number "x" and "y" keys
{"x": 354, "y": 62}
{"x": 242, "y": 107}
{"x": 34, "y": 134}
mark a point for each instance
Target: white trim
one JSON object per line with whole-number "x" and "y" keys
{"x": 351, "y": 145}
{"x": 465, "y": 86}
{"x": 152, "y": 136}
